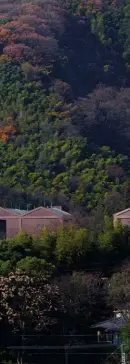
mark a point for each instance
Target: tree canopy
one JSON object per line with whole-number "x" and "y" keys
{"x": 64, "y": 102}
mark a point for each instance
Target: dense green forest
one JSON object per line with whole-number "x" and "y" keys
{"x": 67, "y": 250}
{"x": 64, "y": 102}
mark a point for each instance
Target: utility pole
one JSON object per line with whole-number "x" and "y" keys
{"x": 19, "y": 360}
{"x": 66, "y": 355}
{"x": 123, "y": 354}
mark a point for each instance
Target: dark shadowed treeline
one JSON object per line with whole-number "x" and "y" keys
{"x": 50, "y": 288}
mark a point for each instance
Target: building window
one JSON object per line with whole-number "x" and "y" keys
{"x": 40, "y": 226}
{"x": 2, "y": 229}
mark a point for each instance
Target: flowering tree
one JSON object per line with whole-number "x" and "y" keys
{"x": 28, "y": 303}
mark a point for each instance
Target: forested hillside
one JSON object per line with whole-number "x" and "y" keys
{"x": 64, "y": 139}
{"x": 64, "y": 102}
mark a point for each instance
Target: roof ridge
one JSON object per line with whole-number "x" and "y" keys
{"x": 121, "y": 212}
{"x": 61, "y": 212}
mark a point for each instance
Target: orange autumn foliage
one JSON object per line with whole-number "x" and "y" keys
{"x": 29, "y": 34}
{"x": 6, "y": 131}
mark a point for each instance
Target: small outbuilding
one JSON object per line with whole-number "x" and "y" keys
{"x": 123, "y": 216}
{"x": 109, "y": 330}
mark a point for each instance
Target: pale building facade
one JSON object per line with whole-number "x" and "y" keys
{"x": 123, "y": 217}
{"x": 13, "y": 220}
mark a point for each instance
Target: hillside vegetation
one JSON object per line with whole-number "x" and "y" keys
{"x": 64, "y": 102}
{"x": 65, "y": 140}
